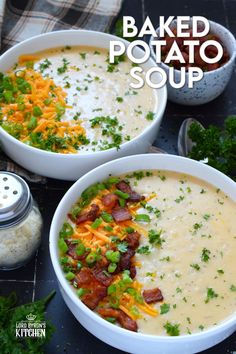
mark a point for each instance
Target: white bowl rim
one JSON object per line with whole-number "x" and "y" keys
{"x": 160, "y": 106}
{"x": 229, "y": 321}
{"x": 229, "y": 62}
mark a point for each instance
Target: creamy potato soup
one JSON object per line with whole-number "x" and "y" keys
{"x": 161, "y": 248}
{"x": 72, "y": 99}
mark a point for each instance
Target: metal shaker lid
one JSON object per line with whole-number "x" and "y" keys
{"x": 15, "y": 199}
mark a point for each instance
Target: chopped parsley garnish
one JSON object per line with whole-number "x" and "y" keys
{"x": 144, "y": 250}
{"x": 164, "y": 308}
{"x": 44, "y": 65}
{"x": 179, "y": 199}
{"x": 62, "y": 69}
{"x": 205, "y": 256}
{"x": 220, "y": 271}
{"x": 206, "y": 216}
{"x": 119, "y": 99}
{"x": 195, "y": 266}
{"x": 172, "y": 329}
{"x": 211, "y": 294}
{"x": 151, "y": 209}
{"x": 178, "y": 290}
{"x": 112, "y": 66}
{"x": 138, "y": 175}
{"x": 197, "y": 226}
{"x": 233, "y": 288}
{"x": 122, "y": 247}
{"x": 83, "y": 55}
{"x": 150, "y": 116}
{"x": 162, "y": 177}
{"x": 154, "y": 237}
{"x": 110, "y": 128}
{"x": 76, "y": 116}
{"x": 167, "y": 259}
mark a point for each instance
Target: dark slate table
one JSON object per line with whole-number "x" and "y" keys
{"x": 38, "y": 278}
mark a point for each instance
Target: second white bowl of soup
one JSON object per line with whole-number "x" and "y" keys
{"x": 65, "y": 109}
{"x": 151, "y": 249}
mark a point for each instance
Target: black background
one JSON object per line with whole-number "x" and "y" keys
{"x": 38, "y": 278}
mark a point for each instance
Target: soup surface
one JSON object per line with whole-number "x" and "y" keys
{"x": 165, "y": 243}
{"x": 72, "y": 99}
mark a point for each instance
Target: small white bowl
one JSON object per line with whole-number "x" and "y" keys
{"x": 119, "y": 337}
{"x": 213, "y": 82}
{"x": 72, "y": 166}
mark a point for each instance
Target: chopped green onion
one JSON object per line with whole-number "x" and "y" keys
{"x": 80, "y": 249}
{"x": 142, "y": 217}
{"x": 91, "y": 258}
{"x": 129, "y": 230}
{"x": 122, "y": 202}
{"x": 96, "y": 223}
{"x": 106, "y": 216}
{"x": 80, "y": 292}
{"x": 66, "y": 230}
{"x": 121, "y": 194}
{"x": 75, "y": 212}
{"x": 112, "y": 267}
{"x": 37, "y": 111}
{"x": 113, "y": 256}
{"x": 47, "y": 101}
{"x": 110, "y": 319}
{"x": 62, "y": 245}
{"x": 108, "y": 228}
{"x": 113, "y": 180}
{"x": 70, "y": 276}
{"x": 32, "y": 123}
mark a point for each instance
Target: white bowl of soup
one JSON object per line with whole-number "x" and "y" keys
{"x": 143, "y": 248}
{"x": 65, "y": 109}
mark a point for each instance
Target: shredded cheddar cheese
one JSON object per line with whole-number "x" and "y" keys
{"x": 32, "y": 109}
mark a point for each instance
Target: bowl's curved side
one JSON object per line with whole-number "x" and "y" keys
{"x": 73, "y": 166}
{"x": 213, "y": 82}
{"x": 113, "y": 335}
{"x": 140, "y": 345}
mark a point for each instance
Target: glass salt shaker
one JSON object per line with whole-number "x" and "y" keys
{"x": 20, "y": 222}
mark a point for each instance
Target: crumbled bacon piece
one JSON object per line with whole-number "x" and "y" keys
{"x": 121, "y": 214}
{"x": 124, "y": 187}
{"x": 97, "y": 294}
{"x": 124, "y": 320}
{"x": 72, "y": 251}
{"x": 152, "y": 295}
{"x": 125, "y": 260}
{"x": 133, "y": 196}
{"x": 133, "y": 240}
{"x": 110, "y": 200}
{"x": 102, "y": 277}
{"x": 127, "y": 322}
{"x": 90, "y": 215}
{"x": 85, "y": 277}
{"x": 132, "y": 271}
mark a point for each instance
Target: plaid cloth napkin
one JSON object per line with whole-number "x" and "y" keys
{"x": 22, "y": 19}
